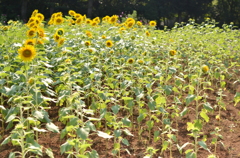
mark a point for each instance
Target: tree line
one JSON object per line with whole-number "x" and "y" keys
{"x": 165, "y": 12}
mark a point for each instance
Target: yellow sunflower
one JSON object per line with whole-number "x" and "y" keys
{"x": 205, "y": 68}
{"x": 40, "y": 16}
{"x": 27, "y": 53}
{"x": 79, "y": 20}
{"x": 30, "y": 42}
{"x": 106, "y": 18}
{"x": 109, "y": 43}
{"x": 147, "y": 33}
{"x": 71, "y": 12}
{"x": 113, "y": 19}
{"x": 104, "y": 37}
{"x": 129, "y": 24}
{"x": 87, "y": 43}
{"x": 31, "y": 33}
{"x": 88, "y": 21}
{"x": 58, "y": 20}
{"x": 58, "y": 14}
{"x": 60, "y": 31}
{"x": 94, "y": 23}
{"x": 34, "y": 13}
{"x": 77, "y": 15}
{"x": 152, "y": 23}
{"x": 40, "y": 32}
{"x": 139, "y": 23}
{"x": 89, "y": 34}
{"x": 140, "y": 61}
{"x": 56, "y": 37}
{"x": 130, "y": 61}
{"x": 172, "y": 52}
{"x": 97, "y": 19}
{"x": 61, "y": 41}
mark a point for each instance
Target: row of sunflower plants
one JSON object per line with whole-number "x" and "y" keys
{"x": 121, "y": 81}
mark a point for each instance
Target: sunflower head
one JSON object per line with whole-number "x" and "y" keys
{"x": 130, "y": 61}
{"x": 94, "y": 23}
{"x": 31, "y": 80}
{"x": 147, "y": 33}
{"x": 205, "y": 68}
{"x": 56, "y": 37}
{"x": 139, "y": 23}
{"x": 40, "y": 16}
{"x": 88, "y": 21}
{"x": 104, "y": 37}
{"x": 109, "y": 43}
{"x": 27, "y": 53}
{"x": 30, "y": 42}
{"x": 140, "y": 61}
{"x": 129, "y": 24}
{"x": 172, "y": 52}
{"x": 31, "y": 33}
{"x": 68, "y": 61}
{"x": 87, "y": 43}
{"x": 61, "y": 41}
{"x": 40, "y": 32}
{"x": 89, "y": 34}
{"x": 71, "y": 12}
{"x": 152, "y": 23}
{"x": 113, "y": 19}
{"x": 77, "y": 15}
{"x": 111, "y": 51}
{"x": 58, "y": 20}
{"x": 60, "y": 31}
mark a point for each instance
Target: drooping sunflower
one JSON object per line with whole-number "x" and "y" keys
{"x": 71, "y": 12}
{"x": 61, "y": 41}
{"x": 94, "y": 23}
{"x": 147, "y": 33}
{"x": 79, "y": 20}
{"x": 87, "y": 43}
{"x": 152, "y": 23}
{"x": 89, "y": 34}
{"x": 27, "y": 53}
{"x": 130, "y": 61}
{"x": 40, "y": 32}
{"x": 109, "y": 43}
{"x": 205, "y": 68}
{"x": 172, "y": 52}
{"x": 31, "y": 33}
{"x": 30, "y": 42}
{"x": 58, "y": 20}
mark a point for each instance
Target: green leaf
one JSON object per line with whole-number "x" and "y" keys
{"x": 93, "y": 154}
{"x": 38, "y": 115}
{"x": 49, "y": 152}
{"x": 104, "y": 135}
{"x": 190, "y": 154}
{"x": 190, "y": 98}
{"x": 125, "y": 141}
{"x": 207, "y": 106}
{"x": 10, "y": 118}
{"x": 165, "y": 146}
{"x": 51, "y": 127}
{"x": 167, "y": 121}
{"x": 83, "y": 133}
{"x": 117, "y": 133}
{"x": 115, "y": 108}
{"x": 140, "y": 117}
{"x": 65, "y": 147}
{"x": 91, "y": 126}
{"x": 184, "y": 112}
{"x": 236, "y": 98}
{"x": 203, "y": 144}
{"x": 6, "y": 140}
{"x": 126, "y": 121}
{"x": 204, "y": 115}
{"x": 167, "y": 89}
{"x": 11, "y": 155}
{"x": 127, "y": 132}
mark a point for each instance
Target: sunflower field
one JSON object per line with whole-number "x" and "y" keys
{"x": 74, "y": 87}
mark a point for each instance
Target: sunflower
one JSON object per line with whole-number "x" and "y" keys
{"x": 89, "y": 34}
{"x": 56, "y": 37}
{"x": 109, "y": 43}
{"x": 147, "y": 33}
{"x": 140, "y": 61}
{"x": 61, "y": 41}
{"x": 77, "y": 15}
{"x": 205, "y": 68}
{"x": 88, "y": 21}
{"x": 152, "y": 23}
{"x": 31, "y": 19}
{"x": 40, "y": 16}
{"x": 172, "y": 52}
{"x": 40, "y": 42}
{"x": 129, "y": 24}
{"x": 34, "y": 13}
{"x": 130, "y": 61}
{"x": 58, "y": 20}
{"x": 40, "y": 32}
{"x": 113, "y": 19}
{"x": 111, "y": 51}
{"x": 106, "y": 18}
{"x": 79, "y": 20}
{"x": 32, "y": 24}
{"x": 97, "y": 19}
{"x": 68, "y": 61}
{"x": 30, "y": 42}
{"x": 60, "y": 31}
{"x": 139, "y": 23}
{"x": 87, "y": 43}
{"x": 27, "y": 53}
{"x": 31, "y": 33}
{"x": 104, "y": 37}
{"x": 58, "y": 14}
{"x": 94, "y": 23}
{"x": 71, "y": 12}
{"x": 31, "y": 80}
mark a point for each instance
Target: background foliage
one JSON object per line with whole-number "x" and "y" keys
{"x": 166, "y": 12}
